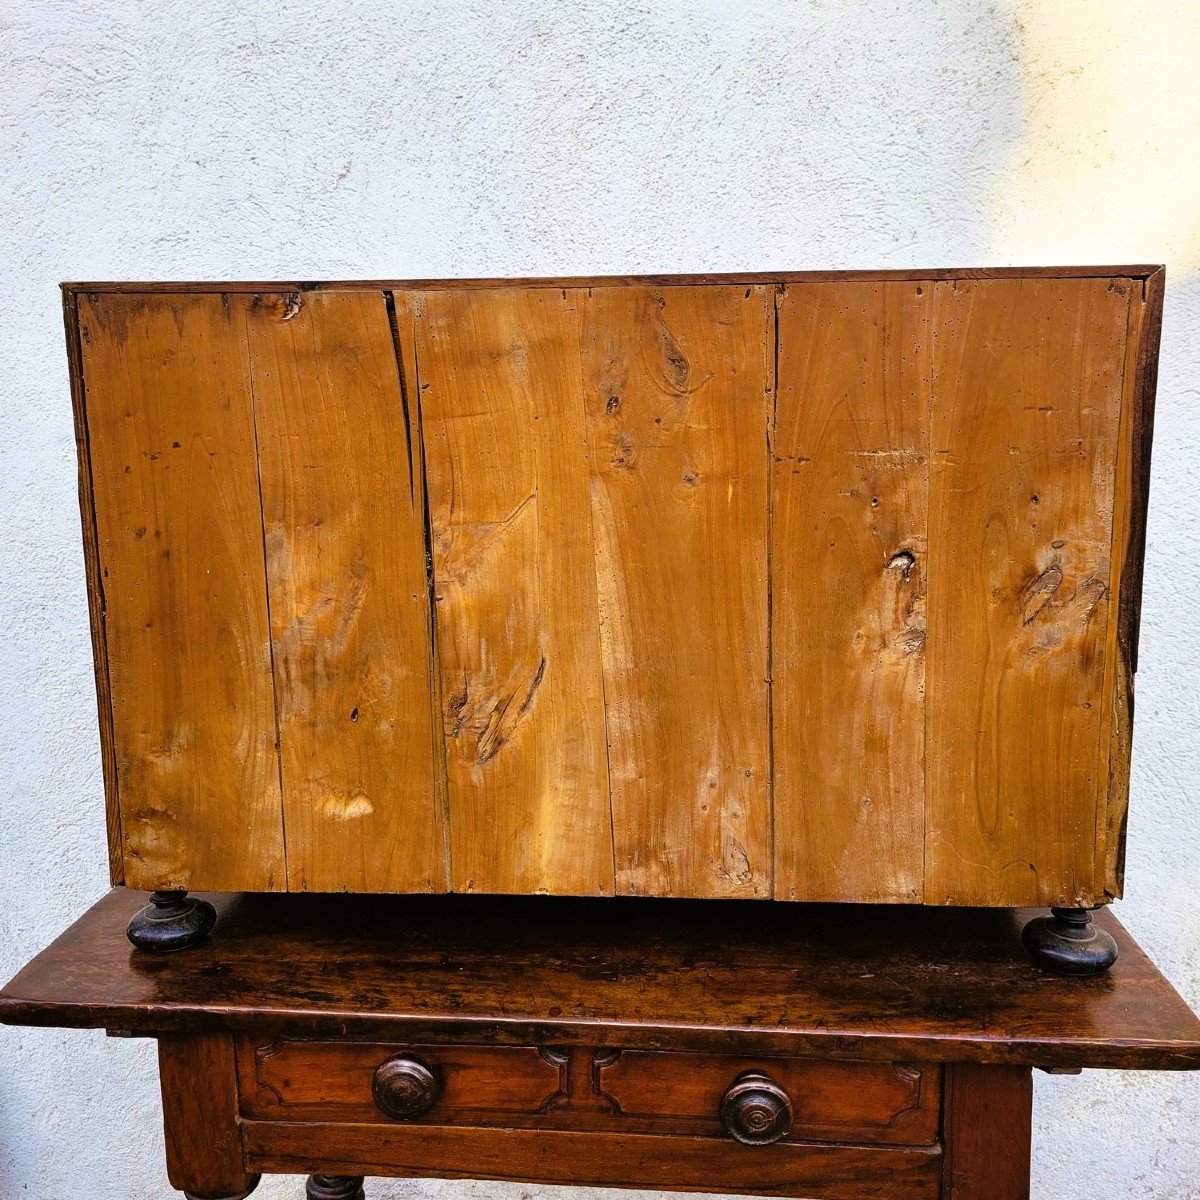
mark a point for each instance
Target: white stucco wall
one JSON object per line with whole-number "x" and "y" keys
{"x": 203, "y": 138}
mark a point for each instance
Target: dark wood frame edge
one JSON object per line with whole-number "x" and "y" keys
{"x": 1140, "y": 271}
{"x": 95, "y": 590}
{"x": 1145, "y": 393}
{"x": 827, "y": 1043}
{"x": 1112, "y": 824}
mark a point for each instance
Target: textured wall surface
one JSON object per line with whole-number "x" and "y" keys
{"x": 179, "y": 139}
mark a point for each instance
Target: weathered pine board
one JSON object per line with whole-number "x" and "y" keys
{"x": 518, "y": 641}
{"x": 678, "y": 387}
{"x": 850, "y": 482}
{"x": 1028, "y": 380}
{"x": 345, "y": 554}
{"x": 184, "y": 593}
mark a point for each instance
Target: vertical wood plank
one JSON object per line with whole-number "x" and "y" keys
{"x": 95, "y": 592}
{"x": 198, "y": 1076}
{"x": 849, "y": 492}
{"x": 345, "y": 549}
{"x": 678, "y": 385}
{"x": 1028, "y": 383}
{"x": 517, "y": 624}
{"x": 1129, "y": 549}
{"x": 179, "y": 527}
{"x": 403, "y": 306}
{"x": 988, "y": 1132}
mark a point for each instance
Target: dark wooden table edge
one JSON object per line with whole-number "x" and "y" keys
{"x": 824, "y": 1043}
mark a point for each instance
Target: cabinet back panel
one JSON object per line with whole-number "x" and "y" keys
{"x": 822, "y": 589}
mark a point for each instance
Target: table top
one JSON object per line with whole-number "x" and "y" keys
{"x": 862, "y": 982}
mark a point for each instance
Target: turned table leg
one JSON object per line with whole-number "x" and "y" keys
{"x": 334, "y": 1187}
{"x": 200, "y": 1117}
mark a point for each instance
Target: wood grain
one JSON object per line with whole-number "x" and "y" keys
{"x": 635, "y": 1091}
{"x": 95, "y": 589}
{"x": 600, "y": 1159}
{"x": 402, "y": 314}
{"x": 678, "y": 387}
{"x": 1131, "y": 500}
{"x": 850, "y": 982}
{"x": 200, "y": 1115}
{"x": 842, "y": 1102}
{"x": 179, "y": 528}
{"x": 848, "y": 545}
{"x": 517, "y": 625}
{"x": 289, "y": 1079}
{"x": 988, "y": 1131}
{"x": 1028, "y": 384}
{"x": 345, "y": 550}
{"x": 552, "y": 616}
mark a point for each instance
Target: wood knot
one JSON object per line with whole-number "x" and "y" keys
{"x": 1040, "y": 592}
{"x": 903, "y": 561}
{"x": 624, "y": 451}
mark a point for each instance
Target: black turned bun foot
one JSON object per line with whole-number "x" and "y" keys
{"x": 1068, "y": 942}
{"x": 171, "y": 921}
{"x": 334, "y": 1187}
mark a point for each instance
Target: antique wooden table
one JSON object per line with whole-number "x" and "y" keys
{"x": 802, "y": 1051}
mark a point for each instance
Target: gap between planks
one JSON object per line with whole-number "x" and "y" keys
{"x": 438, "y": 749}
{"x": 262, "y": 522}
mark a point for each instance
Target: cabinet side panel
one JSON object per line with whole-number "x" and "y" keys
{"x": 679, "y": 388}
{"x": 345, "y": 551}
{"x": 1129, "y": 550}
{"x": 95, "y": 593}
{"x": 517, "y": 625}
{"x": 1024, "y": 433}
{"x": 179, "y": 528}
{"x": 849, "y": 492}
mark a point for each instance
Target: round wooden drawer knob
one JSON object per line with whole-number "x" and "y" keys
{"x": 756, "y": 1110}
{"x": 404, "y": 1087}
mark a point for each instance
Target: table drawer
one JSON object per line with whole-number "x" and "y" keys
{"x": 755, "y": 1100}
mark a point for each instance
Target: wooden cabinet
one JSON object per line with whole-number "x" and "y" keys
{"x": 820, "y": 587}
